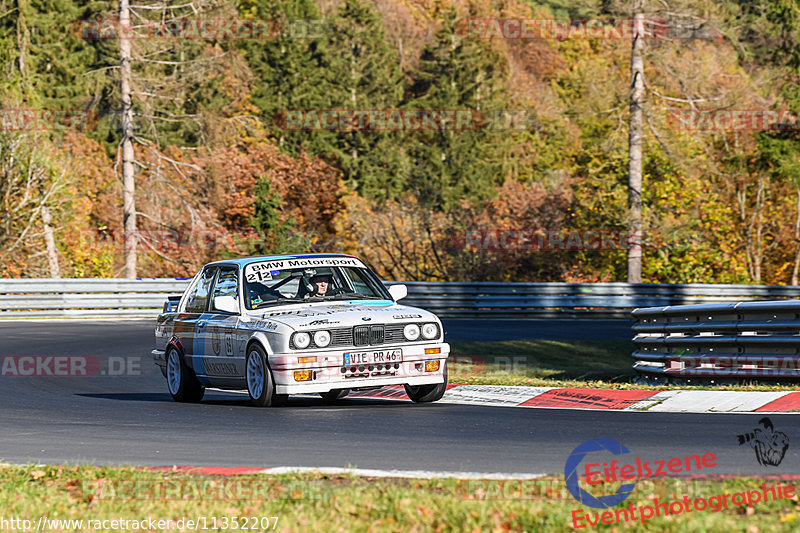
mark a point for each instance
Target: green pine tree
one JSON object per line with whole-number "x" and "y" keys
{"x": 346, "y": 64}
{"x": 448, "y": 166}
{"x": 276, "y": 236}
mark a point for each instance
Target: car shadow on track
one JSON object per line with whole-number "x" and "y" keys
{"x": 229, "y": 400}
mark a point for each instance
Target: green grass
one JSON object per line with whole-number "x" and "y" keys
{"x": 578, "y": 364}
{"x": 596, "y": 360}
{"x": 316, "y": 502}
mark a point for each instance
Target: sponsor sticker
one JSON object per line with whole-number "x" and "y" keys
{"x": 219, "y": 369}
{"x": 257, "y": 272}
{"x": 264, "y": 324}
{"x": 320, "y": 322}
{"x": 260, "y": 270}
{"x": 588, "y": 398}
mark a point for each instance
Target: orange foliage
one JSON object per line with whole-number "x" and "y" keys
{"x": 310, "y": 188}
{"x": 405, "y": 241}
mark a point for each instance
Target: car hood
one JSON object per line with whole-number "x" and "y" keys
{"x": 343, "y": 313}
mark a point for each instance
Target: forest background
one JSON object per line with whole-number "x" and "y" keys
{"x": 221, "y": 172}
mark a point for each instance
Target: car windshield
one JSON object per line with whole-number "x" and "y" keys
{"x": 270, "y": 283}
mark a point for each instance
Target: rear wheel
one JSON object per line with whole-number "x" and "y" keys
{"x": 260, "y": 384}
{"x": 427, "y": 393}
{"x": 182, "y": 383}
{"x": 332, "y": 396}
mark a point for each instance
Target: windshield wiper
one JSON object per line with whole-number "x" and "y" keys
{"x": 282, "y": 300}
{"x": 348, "y": 296}
{"x": 354, "y": 296}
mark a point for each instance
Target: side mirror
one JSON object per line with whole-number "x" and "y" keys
{"x": 226, "y": 304}
{"x": 398, "y": 292}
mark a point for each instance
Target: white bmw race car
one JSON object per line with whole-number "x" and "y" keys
{"x": 292, "y": 324}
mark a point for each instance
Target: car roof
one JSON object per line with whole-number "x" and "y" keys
{"x": 252, "y": 259}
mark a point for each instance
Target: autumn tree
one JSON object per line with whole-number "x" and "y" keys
{"x": 445, "y": 165}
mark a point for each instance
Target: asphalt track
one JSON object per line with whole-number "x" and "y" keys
{"x": 130, "y": 419}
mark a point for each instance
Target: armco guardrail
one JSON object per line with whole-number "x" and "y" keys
{"x": 571, "y": 300}
{"x": 44, "y": 298}
{"x": 124, "y": 297}
{"x": 745, "y": 340}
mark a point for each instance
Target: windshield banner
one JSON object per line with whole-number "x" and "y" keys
{"x": 264, "y": 270}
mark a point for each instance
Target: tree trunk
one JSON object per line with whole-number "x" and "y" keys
{"x": 635, "y": 149}
{"x": 796, "y": 240}
{"x": 753, "y": 227}
{"x": 128, "y": 185}
{"x": 50, "y": 244}
{"x": 758, "y": 256}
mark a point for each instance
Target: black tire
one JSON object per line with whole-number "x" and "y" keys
{"x": 336, "y": 394}
{"x": 427, "y": 393}
{"x": 260, "y": 383}
{"x": 182, "y": 383}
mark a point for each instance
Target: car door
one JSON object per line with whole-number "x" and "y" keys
{"x": 189, "y": 322}
{"x": 221, "y": 361}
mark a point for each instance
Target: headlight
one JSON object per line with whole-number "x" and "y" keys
{"x": 302, "y": 340}
{"x": 322, "y": 338}
{"x": 411, "y": 332}
{"x": 430, "y": 331}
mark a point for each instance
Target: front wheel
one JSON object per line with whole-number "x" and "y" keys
{"x": 260, "y": 385}
{"x": 427, "y": 393}
{"x": 181, "y": 381}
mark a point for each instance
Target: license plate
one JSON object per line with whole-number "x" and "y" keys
{"x": 374, "y": 357}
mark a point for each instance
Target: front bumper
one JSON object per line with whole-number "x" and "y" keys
{"x": 160, "y": 359}
{"x": 330, "y": 372}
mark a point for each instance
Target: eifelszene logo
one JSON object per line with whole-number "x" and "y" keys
{"x": 770, "y": 445}
{"x": 598, "y": 473}
{"x": 571, "y": 474}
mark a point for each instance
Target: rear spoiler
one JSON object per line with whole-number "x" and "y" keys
{"x": 171, "y": 305}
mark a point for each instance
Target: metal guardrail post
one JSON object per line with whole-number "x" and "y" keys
{"x": 757, "y": 340}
